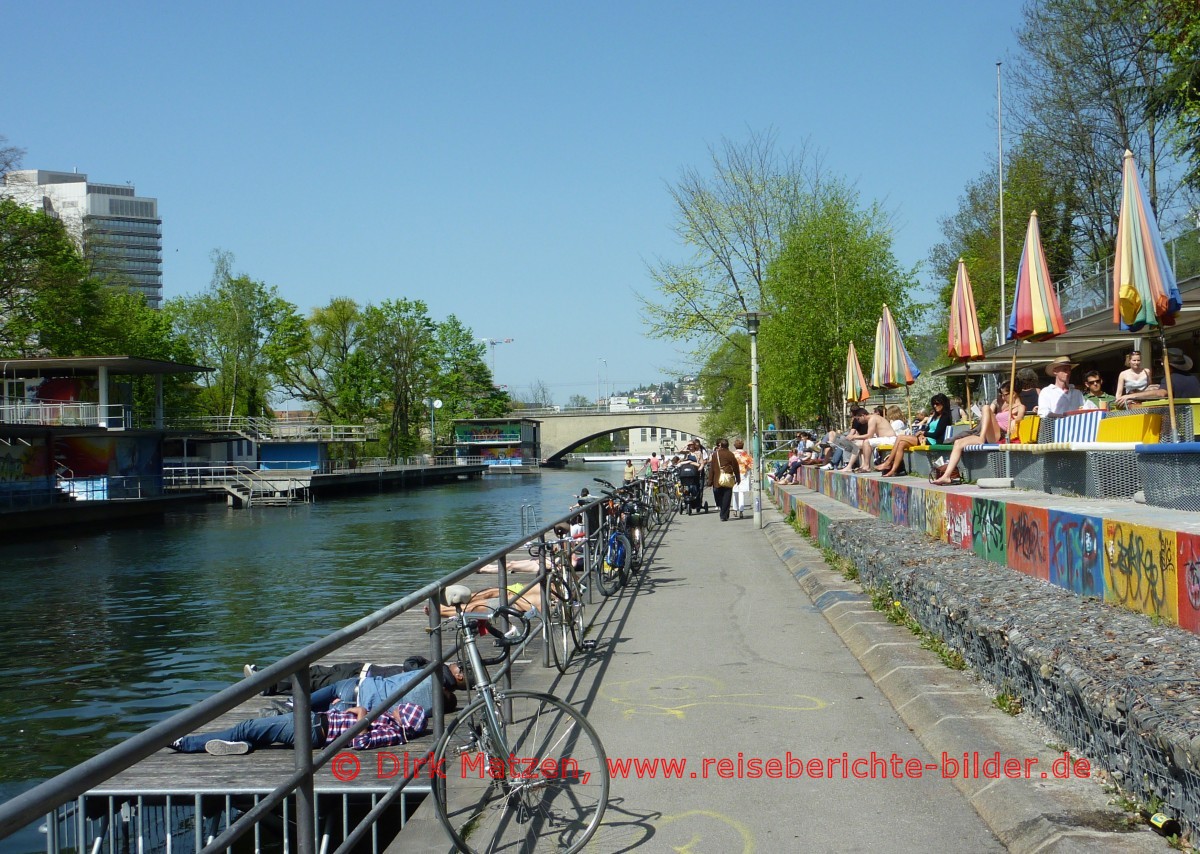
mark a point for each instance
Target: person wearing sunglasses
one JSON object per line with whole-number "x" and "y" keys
{"x": 1093, "y": 391}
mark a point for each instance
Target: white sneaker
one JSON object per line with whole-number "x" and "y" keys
{"x": 220, "y": 747}
{"x": 827, "y": 467}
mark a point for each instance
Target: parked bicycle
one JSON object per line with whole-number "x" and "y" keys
{"x": 614, "y": 546}
{"x": 564, "y": 602}
{"x": 516, "y": 770}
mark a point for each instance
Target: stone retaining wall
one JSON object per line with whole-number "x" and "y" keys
{"x": 1120, "y": 689}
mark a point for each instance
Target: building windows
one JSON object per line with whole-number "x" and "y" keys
{"x": 643, "y": 434}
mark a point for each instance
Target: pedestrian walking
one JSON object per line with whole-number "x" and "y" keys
{"x": 724, "y": 474}
{"x": 741, "y": 492}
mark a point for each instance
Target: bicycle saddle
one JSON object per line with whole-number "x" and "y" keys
{"x": 457, "y": 594}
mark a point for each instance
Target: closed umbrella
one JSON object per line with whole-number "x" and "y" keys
{"x": 1036, "y": 315}
{"x": 856, "y": 384}
{"x": 964, "y": 343}
{"x": 1145, "y": 293}
{"x": 892, "y": 367}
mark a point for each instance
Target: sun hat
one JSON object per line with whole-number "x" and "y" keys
{"x": 1060, "y": 360}
{"x": 1178, "y": 359}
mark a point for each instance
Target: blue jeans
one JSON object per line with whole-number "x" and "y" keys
{"x": 257, "y": 732}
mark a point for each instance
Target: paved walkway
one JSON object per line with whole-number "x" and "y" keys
{"x": 718, "y": 657}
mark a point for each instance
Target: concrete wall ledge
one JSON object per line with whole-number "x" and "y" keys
{"x": 1120, "y": 688}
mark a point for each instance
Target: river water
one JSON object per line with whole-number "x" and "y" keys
{"x": 106, "y": 633}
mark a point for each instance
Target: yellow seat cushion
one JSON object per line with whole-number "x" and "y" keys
{"x": 1145, "y": 428}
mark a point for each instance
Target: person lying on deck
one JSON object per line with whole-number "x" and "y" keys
{"x": 398, "y": 725}
{"x": 324, "y": 675}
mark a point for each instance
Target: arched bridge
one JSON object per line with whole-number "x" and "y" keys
{"x": 563, "y": 431}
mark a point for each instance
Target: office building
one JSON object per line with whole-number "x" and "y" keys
{"x": 118, "y": 232}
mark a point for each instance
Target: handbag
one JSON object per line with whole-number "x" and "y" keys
{"x": 725, "y": 479}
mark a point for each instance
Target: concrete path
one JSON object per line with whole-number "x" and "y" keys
{"x": 715, "y": 674}
{"x": 720, "y": 659}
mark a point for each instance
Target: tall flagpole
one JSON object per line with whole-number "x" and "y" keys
{"x": 1000, "y": 171}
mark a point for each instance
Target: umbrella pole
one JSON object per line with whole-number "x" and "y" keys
{"x": 1012, "y": 380}
{"x": 908, "y": 400}
{"x": 1170, "y": 390}
{"x": 968, "y": 384}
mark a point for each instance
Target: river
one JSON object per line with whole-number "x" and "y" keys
{"x": 106, "y": 633}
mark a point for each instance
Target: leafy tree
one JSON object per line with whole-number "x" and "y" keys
{"x": 1082, "y": 86}
{"x": 734, "y": 221}
{"x": 973, "y": 234}
{"x": 1175, "y": 25}
{"x": 579, "y": 401}
{"x": 243, "y": 329}
{"x": 725, "y": 380}
{"x": 320, "y": 366}
{"x": 399, "y": 359}
{"x": 463, "y": 381}
{"x": 827, "y": 288}
{"x": 45, "y": 295}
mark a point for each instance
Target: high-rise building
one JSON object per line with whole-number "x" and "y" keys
{"x": 118, "y": 231}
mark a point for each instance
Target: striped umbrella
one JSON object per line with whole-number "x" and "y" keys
{"x": 1036, "y": 315}
{"x": 965, "y": 343}
{"x": 1144, "y": 289}
{"x": 892, "y": 367}
{"x": 856, "y": 384}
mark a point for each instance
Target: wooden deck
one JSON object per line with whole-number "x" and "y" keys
{"x": 177, "y": 774}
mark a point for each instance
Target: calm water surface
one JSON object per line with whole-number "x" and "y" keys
{"x": 105, "y": 634}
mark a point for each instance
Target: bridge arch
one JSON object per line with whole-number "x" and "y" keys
{"x": 562, "y": 432}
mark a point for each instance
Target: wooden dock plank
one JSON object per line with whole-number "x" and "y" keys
{"x": 167, "y": 772}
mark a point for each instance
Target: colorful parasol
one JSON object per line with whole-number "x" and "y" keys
{"x": 856, "y": 384}
{"x": 1036, "y": 315}
{"x": 892, "y": 367}
{"x": 1145, "y": 292}
{"x": 965, "y": 343}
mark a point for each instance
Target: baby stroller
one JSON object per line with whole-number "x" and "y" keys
{"x": 691, "y": 488}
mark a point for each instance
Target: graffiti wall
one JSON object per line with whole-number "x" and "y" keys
{"x": 24, "y": 466}
{"x": 958, "y": 520}
{"x": 1076, "y": 562}
{"x": 1027, "y": 540}
{"x": 1141, "y": 567}
{"x": 99, "y": 456}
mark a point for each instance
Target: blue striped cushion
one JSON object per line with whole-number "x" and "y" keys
{"x": 1078, "y": 426}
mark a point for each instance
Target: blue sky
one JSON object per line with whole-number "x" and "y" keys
{"x": 505, "y": 162}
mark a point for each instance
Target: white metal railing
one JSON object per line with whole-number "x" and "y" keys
{"x": 271, "y": 430}
{"x": 1083, "y": 294}
{"x": 65, "y": 413}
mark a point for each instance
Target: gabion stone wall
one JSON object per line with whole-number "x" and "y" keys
{"x": 1117, "y": 687}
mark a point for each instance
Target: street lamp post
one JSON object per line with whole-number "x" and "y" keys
{"x": 599, "y": 394}
{"x": 434, "y": 405}
{"x": 753, "y": 318}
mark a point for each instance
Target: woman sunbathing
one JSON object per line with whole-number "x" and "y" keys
{"x": 936, "y": 431}
{"x": 995, "y": 420}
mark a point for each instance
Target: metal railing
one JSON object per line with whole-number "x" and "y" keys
{"x": 271, "y": 430}
{"x": 61, "y": 800}
{"x": 66, "y": 413}
{"x": 1083, "y": 293}
{"x": 261, "y": 484}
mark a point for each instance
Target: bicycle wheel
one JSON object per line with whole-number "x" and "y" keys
{"x": 637, "y": 541}
{"x": 544, "y": 787}
{"x": 614, "y": 557}
{"x": 558, "y": 632}
{"x": 574, "y": 610}
{"x": 662, "y": 507}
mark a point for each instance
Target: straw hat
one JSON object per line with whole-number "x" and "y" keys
{"x": 1178, "y": 359}
{"x": 1059, "y": 361}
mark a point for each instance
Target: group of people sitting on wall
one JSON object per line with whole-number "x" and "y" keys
{"x": 854, "y": 449}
